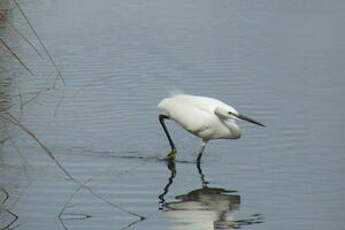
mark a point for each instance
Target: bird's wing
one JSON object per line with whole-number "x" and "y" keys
{"x": 203, "y": 103}
{"x": 192, "y": 116}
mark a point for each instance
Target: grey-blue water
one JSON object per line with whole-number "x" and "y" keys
{"x": 280, "y": 62}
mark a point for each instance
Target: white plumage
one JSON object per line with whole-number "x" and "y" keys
{"x": 197, "y": 115}
{"x": 205, "y": 117}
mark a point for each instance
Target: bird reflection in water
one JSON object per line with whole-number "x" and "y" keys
{"x": 205, "y": 207}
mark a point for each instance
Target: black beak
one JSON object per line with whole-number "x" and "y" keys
{"x": 242, "y": 117}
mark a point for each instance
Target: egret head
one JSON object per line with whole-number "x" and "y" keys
{"x": 227, "y": 112}
{"x": 231, "y": 113}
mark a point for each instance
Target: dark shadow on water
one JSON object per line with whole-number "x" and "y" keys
{"x": 129, "y": 155}
{"x": 205, "y": 207}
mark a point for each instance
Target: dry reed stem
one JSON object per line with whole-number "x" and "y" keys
{"x": 15, "y": 30}
{"x": 4, "y": 45}
{"x": 41, "y": 42}
{"x": 14, "y": 121}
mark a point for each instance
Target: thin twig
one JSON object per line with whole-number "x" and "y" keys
{"x": 40, "y": 41}
{"x": 68, "y": 201}
{"x": 25, "y": 162}
{"x": 23, "y": 37}
{"x": 58, "y": 105}
{"x": 113, "y": 204}
{"x": 16, "y": 56}
{"x": 14, "y": 121}
{"x": 66, "y": 205}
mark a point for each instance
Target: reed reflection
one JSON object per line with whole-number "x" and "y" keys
{"x": 205, "y": 207}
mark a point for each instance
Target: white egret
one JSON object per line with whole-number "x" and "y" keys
{"x": 205, "y": 117}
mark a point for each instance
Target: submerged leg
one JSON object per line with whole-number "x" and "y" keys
{"x": 172, "y": 168}
{"x": 172, "y": 154}
{"x": 201, "y": 151}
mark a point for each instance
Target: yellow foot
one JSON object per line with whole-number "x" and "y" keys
{"x": 172, "y": 155}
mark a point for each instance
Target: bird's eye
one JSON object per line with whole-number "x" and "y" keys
{"x": 230, "y": 113}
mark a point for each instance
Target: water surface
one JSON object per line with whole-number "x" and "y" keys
{"x": 281, "y": 63}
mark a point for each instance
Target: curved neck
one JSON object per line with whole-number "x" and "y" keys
{"x": 233, "y": 127}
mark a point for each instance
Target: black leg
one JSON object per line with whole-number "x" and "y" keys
{"x": 201, "y": 152}
{"x": 202, "y": 176}
{"x": 172, "y": 145}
